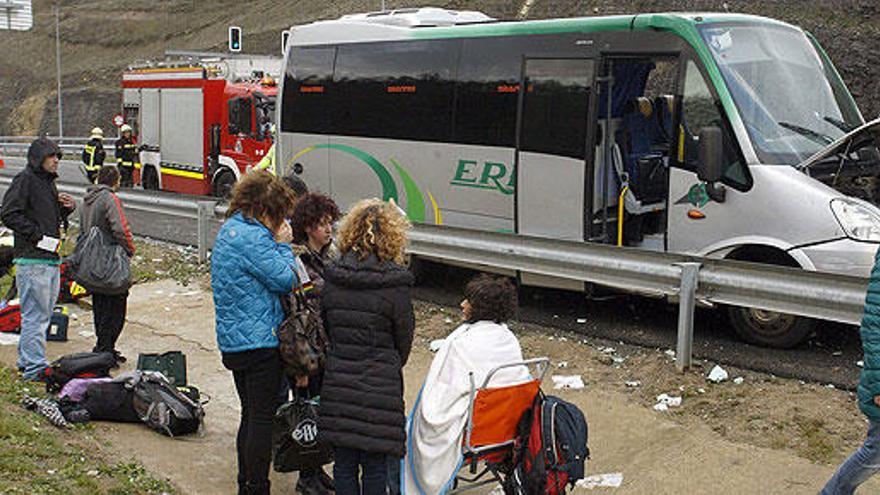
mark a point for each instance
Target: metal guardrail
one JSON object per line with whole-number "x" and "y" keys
{"x": 788, "y": 290}
{"x": 18, "y": 145}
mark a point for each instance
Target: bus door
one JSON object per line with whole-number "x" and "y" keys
{"x": 552, "y": 151}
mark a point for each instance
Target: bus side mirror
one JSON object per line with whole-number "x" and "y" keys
{"x": 710, "y": 154}
{"x": 710, "y": 164}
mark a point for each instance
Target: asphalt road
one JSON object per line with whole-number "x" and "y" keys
{"x": 829, "y": 356}
{"x": 68, "y": 170}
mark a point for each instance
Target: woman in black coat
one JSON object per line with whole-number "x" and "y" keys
{"x": 369, "y": 318}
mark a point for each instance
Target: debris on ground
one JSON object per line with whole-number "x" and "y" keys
{"x": 860, "y": 364}
{"x": 435, "y": 345}
{"x": 717, "y": 375}
{"x": 670, "y": 353}
{"x": 738, "y": 380}
{"x": 607, "y": 480}
{"x": 574, "y": 382}
{"x": 562, "y": 364}
{"x": 668, "y": 400}
{"x": 8, "y": 338}
{"x": 581, "y": 321}
{"x": 633, "y": 383}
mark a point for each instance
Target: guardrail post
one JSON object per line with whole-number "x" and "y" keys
{"x": 206, "y": 211}
{"x": 686, "y": 306}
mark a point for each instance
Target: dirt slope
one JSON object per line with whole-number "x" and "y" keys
{"x": 101, "y": 37}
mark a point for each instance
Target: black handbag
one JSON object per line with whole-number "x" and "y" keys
{"x": 295, "y": 442}
{"x": 100, "y": 264}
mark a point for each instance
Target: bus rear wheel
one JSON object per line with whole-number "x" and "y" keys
{"x": 150, "y": 179}
{"x": 224, "y": 181}
{"x": 769, "y": 328}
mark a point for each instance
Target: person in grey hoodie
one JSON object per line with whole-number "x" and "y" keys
{"x": 102, "y": 208}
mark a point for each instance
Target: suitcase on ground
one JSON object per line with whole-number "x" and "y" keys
{"x": 57, "y": 331}
{"x": 171, "y": 364}
{"x": 10, "y": 318}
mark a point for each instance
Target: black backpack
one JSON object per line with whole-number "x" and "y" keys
{"x": 163, "y": 407}
{"x": 110, "y": 401}
{"x": 551, "y": 448}
{"x": 79, "y": 365}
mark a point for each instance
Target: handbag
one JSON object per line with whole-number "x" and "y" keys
{"x": 295, "y": 441}
{"x": 100, "y": 264}
{"x": 301, "y": 338}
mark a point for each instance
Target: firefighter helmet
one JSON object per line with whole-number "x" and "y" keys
{"x": 97, "y": 133}
{"x": 125, "y": 128}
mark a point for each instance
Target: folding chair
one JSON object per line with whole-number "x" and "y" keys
{"x": 490, "y": 431}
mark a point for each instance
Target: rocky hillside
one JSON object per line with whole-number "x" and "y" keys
{"x": 99, "y": 38}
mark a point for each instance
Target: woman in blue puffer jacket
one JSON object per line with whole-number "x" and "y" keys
{"x": 252, "y": 265}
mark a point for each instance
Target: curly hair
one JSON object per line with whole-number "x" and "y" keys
{"x": 492, "y": 298}
{"x": 262, "y": 196}
{"x": 310, "y": 210}
{"x": 374, "y": 226}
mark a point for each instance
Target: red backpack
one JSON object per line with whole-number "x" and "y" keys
{"x": 551, "y": 448}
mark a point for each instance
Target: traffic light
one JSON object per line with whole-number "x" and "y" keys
{"x": 234, "y": 39}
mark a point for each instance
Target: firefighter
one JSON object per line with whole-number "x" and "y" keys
{"x": 126, "y": 156}
{"x": 93, "y": 154}
{"x": 268, "y": 161}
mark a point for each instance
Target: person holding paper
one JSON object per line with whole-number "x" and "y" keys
{"x": 34, "y": 210}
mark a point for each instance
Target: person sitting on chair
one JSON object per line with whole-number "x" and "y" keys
{"x": 437, "y": 422}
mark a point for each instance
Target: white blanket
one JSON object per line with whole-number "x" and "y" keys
{"x": 436, "y": 424}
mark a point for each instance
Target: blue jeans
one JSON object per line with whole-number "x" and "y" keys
{"x": 37, "y": 290}
{"x": 860, "y": 466}
{"x": 356, "y": 472}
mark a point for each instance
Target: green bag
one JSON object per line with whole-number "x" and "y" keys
{"x": 172, "y": 364}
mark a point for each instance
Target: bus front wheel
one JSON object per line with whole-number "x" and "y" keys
{"x": 769, "y": 328}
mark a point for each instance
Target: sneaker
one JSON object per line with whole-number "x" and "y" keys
{"x": 119, "y": 357}
{"x": 312, "y": 485}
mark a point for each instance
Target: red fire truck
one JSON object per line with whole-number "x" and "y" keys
{"x": 198, "y": 124}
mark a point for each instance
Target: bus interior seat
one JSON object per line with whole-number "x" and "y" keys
{"x": 644, "y": 151}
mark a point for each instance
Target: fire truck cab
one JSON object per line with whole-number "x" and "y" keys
{"x": 199, "y": 126}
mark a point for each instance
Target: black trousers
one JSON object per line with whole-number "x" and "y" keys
{"x": 109, "y": 315}
{"x": 125, "y": 175}
{"x": 258, "y": 377}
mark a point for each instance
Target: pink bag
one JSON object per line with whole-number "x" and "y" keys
{"x": 76, "y": 389}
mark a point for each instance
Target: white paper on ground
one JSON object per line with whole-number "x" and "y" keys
{"x": 718, "y": 374}
{"x": 668, "y": 400}
{"x": 568, "y": 381}
{"x": 607, "y": 480}
{"x": 8, "y": 338}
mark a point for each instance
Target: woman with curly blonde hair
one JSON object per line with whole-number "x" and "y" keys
{"x": 368, "y": 315}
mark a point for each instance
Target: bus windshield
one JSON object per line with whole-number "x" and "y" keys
{"x": 792, "y": 102}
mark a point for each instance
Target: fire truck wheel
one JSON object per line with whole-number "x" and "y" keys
{"x": 224, "y": 181}
{"x": 150, "y": 180}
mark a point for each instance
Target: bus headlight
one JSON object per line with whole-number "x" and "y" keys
{"x": 858, "y": 221}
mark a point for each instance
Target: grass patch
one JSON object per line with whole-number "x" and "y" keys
{"x": 36, "y": 457}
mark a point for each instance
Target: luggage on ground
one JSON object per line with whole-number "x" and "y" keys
{"x": 58, "y": 323}
{"x": 110, "y": 401}
{"x": 10, "y": 318}
{"x": 171, "y": 364}
{"x": 79, "y": 365}
{"x": 295, "y": 442}
{"x": 162, "y": 407}
{"x": 551, "y": 448}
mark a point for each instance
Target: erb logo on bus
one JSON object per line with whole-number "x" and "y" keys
{"x": 487, "y": 175}
{"x": 305, "y": 433}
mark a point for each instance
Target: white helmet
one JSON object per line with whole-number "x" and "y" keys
{"x": 125, "y": 128}
{"x": 97, "y": 133}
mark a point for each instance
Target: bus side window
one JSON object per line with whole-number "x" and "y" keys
{"x": 700, "y": 110}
